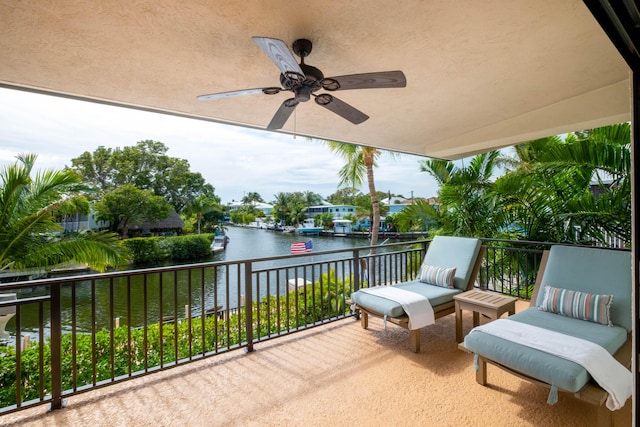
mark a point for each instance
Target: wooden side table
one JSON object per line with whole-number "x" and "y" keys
{"x": 490, "y": 304}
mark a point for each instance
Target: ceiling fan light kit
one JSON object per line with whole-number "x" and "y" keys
{"x": 304, "y": 80}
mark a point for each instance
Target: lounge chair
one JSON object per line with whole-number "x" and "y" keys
{"x": 444, "y": 254}
{"x": 595, "y": 273}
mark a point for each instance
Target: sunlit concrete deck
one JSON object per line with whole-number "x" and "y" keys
{"x": 338, "y": 374}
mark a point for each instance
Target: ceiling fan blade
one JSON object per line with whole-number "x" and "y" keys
{"x": 233, "y": 93}
{"x": 341, "y": 108}
{"x": 283, "y": 113}
{"x": 279, "y": 53}
{"x": 383, "y": 79}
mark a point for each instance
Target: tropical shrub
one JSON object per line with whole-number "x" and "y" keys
{"x": 189, "y": 247}
{"x": 147, "y": 250}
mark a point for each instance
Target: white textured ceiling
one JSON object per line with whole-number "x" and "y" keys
{"x": 480, "y": 74}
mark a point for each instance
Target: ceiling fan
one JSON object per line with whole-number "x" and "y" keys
{"x": 305, "y": 80}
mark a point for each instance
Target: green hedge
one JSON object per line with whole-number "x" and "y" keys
{"x": 188, "y": 247}
{"x": 146, "y": 250}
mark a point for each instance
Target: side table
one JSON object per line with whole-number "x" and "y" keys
{"x": 488, "y": 303}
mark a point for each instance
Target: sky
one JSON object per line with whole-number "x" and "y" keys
{"x": 235, "y": 160}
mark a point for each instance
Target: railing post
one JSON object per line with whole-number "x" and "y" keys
{"x": 356, "y": 270}
{"x": 56, "y": 349}
{"x": 248, "y": 308}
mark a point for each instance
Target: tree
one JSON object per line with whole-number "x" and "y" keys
{"x": 128, "y": 204}
{"x": 280, "y": 210}
{"x": 323, "y": 220}
{"x": 311, "y": 198}
{"x": 202, "y": 206}
{"x": 29, "y": 234}
{"x": 252, "y": 197}
{"x": 290, "y": 207}
{"x": 467, "y": 203}
{"x": 343, "y": 196}
{"x": 244, "y": 215}
{"x": 573, "y": 190}
{"x": 147, "y": 167}
{"x": 418, "y": 216}
{"x": 95, "y": 168}
{"x": 359, "y": 162}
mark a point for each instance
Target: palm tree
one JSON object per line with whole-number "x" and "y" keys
{"x": 360, "y": 161}
{"x": 466, "y": 201}
{"x": 550, "y": 194}
{"x": 311, "y": 198}
{"x": 29, "y": 234}
{"x": 289, "y": 207}
{"x": 199, "y": 207}
{"x": 281, "y": 207}
{"x": 419, "y": 216}
{"x": 251, "y": 197}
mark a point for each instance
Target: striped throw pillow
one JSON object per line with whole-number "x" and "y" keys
{"x": 579, "y": 305}
{"x": 438, "y": 276}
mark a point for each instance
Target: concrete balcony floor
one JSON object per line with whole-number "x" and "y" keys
{"x": 337, "y": 374}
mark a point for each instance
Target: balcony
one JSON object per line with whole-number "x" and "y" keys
{"x": 299, "y": 356}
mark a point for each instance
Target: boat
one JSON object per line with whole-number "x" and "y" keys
{"x": 308, "y": 227}
{"x": 219, "y": 243}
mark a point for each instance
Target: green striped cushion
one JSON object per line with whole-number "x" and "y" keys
{"x": 438, "y": 276}
{"x": 579, "y": 305}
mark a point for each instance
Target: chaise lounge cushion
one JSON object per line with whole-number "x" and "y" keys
{"x": 435, "y": 294}
{"x": 540, "y": 365}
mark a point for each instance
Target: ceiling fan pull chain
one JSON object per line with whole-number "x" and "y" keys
{"x": 295, "y": 122}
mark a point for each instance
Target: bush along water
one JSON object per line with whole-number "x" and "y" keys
{"x": 146, "y": 250}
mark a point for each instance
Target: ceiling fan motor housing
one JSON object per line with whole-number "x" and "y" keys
{"x": 303, "y": 86}
{"x": 302, "y": 47}
{"x": 303, "y": 93}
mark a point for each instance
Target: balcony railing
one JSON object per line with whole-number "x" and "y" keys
{"x": 74, "y": 334}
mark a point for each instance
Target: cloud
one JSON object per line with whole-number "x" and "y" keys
{"x": 235, "y": 160}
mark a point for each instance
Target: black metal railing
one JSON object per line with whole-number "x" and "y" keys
{"x": 74, "y": 334}
{"x": 510, "y": 267}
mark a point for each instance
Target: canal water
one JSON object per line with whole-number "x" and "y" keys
{"x": 249, "y": 243}
{"x": 93, "y": 302}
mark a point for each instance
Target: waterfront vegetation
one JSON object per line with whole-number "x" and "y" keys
{"x": 149, "y": 250}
